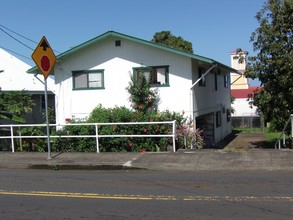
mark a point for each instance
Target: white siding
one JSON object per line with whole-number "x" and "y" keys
{"x": 117, "y": 63}
{"x": 207, "y": 100}
{"x": 15, "y": 78}
{"x": 243, "y": 109}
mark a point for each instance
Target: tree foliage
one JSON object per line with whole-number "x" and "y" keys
{"x": 14, "y": 104}
{"x": 166, "y": 38}
{"x": 273, "y": 64}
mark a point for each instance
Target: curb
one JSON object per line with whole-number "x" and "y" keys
{"x": 80, "y": 167}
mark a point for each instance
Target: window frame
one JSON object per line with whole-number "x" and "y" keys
{"x": 42, "y": 103}
{"x": 140, "y": 70}
{"x": 201, "y": 71}
{"x": 87, "y": 72}
{"x": 218, "y": 119}
{"x": 216, "y": 81}
{"x": 226, "y": 80}
{"x": 228, "y": 112}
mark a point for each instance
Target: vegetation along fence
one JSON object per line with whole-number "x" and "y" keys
{"x": 11, "y": 131}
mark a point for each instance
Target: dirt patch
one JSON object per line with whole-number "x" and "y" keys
{"x": 246, "y": 141}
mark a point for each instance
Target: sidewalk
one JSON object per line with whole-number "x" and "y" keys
{"x": 239, "y": 154}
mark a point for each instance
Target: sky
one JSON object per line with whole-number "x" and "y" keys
{"x": 214, "y": 27}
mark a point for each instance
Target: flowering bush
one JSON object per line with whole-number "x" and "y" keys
{"x": 143, "y": 98}
{"x": 144, "y": 101}
{"x": 188, "y": 136}
{"x": 129, "y": 144}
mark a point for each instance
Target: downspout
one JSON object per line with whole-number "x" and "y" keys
{"x": 194, "y": 84}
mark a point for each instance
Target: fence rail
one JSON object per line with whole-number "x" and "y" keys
{"x": 283, "y": 134}
{"x": 96, "y": 135}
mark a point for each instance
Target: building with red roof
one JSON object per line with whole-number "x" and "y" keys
{"x": 244, "y": 113}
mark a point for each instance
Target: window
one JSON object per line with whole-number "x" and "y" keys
{"x": 226, "y": 80}
{"x": 118, "y": 43}
{"x": 42, "y": 103}
{"x": 216, "y": 81}
{"x": 88, "y": 79}
{"x": 228, "y": 115}
{"x": 218, "y": 119}
{"x": 201, "y": 72}
{"x": 156, "y": 75}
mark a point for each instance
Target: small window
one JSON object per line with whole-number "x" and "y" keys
{"x": 156, "y": 75}
{"x": 201, "y": 72}
{"x": 226, "y": 81}
{"x": 88, "y": 79}
{"x": 118, "y": 43}
{"x": 218, "y": 119}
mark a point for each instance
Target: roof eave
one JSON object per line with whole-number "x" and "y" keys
{"x": 138, "y": 40}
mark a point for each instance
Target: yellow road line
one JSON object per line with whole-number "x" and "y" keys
{"x": 149, "y": 197}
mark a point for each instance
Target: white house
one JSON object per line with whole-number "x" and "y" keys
{"x": 98, "y": 72}
{"x": 13, "y": 77}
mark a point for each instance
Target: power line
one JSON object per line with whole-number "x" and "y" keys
{"x": 16, "y": 53}
{"x": 16, "y": 39}
{"x": 18, "y": 34}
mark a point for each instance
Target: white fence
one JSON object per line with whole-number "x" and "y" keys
{"x": 96, "y": 135}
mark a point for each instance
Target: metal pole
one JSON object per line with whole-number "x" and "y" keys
{"x": 97, "y": 139}
{"x": 47, "y": 120}
{"x": 12, "y": 138}
{"x": 291, "y": 125}
{"x": 174, "y": 136}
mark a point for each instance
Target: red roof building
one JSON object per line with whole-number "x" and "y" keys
{"x": 244, "y": 93}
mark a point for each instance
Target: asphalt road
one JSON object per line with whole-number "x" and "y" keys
{"x": 35, "y": 194}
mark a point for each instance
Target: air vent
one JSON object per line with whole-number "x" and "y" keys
{"x": 118, "y": 43}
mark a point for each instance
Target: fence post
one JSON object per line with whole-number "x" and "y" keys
{"x": 97, "y": 138}
{"x": 12, "y": 138}
{"x": 174, "y": 136}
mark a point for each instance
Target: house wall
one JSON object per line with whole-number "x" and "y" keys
{"x": 118, "y": 64}
{"x": 209, "y": 99}
{"x": 243, "y": 109}
{"x": 15, "y": 78}
{"x": 38, "y": 113}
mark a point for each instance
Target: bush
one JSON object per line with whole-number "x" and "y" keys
{"x": 122, "y": 144}
{"x": 31, "y": 144}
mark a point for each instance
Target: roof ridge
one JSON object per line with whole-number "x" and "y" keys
{"x": 139, "y": 40}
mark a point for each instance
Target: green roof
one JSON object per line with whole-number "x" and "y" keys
{"x": 137, "y": 40}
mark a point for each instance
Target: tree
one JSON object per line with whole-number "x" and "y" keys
{"x": 273, "y": 64}
{"x": 142, "y": 97}
{"x": 14, "y": 104}
{"x": 166, "y": 38}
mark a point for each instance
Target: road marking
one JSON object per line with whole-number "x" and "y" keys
{"x": 150, "y": 197}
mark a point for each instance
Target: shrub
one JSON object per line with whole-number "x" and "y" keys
{"x": 31, "y": 144}
{"x": 143, "y": 98}
{"x": 120, "y": 144}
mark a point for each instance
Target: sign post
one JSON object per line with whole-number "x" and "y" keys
{"x": 291, "y": 125}
{"x": 45, "y": 59}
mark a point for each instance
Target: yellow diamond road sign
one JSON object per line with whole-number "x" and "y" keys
{"x": 44, "y": 57}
